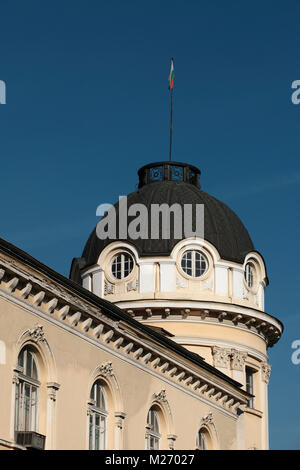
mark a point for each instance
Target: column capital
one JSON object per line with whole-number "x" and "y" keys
{"x": 238, "y": 359}
{"x": 220, "y": 356}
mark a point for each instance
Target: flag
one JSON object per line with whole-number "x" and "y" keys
{"x": 171, "y": 76}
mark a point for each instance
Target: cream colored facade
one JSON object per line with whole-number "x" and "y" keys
{"x": 77, "y": 339}
{"x": 217, "y": 316}
{"x": 139, "y": 351}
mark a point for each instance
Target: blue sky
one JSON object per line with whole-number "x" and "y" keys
{"x": 88, "y": 104}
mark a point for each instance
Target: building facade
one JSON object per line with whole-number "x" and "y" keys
{"x": 153, "y": 343}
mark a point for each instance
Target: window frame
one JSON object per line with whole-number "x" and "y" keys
{"x": 250, "y": 372}
{"x": 122, "y": 254}
{"x": 95, "y": 412}
{"x": 153, "y": 434}
{"x": 26, "y": 417}
{"x": 203, "y": 440}
{"x": 193, "y": 260}
{"x": 250, "y": 275}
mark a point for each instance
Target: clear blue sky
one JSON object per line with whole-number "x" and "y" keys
{"x": 87, "y": 104}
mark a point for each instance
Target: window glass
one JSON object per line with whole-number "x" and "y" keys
{"x": 122, "y": 265}
{"x": 98, "y": 418}
{"x": 250, "y": 385}
{"x": 153, "y": 439}
{"x": 249, "y": 275}
{"x": 194, "y": 263}
{"x": 27, "y": 393}
{"x": 202, "y": 442}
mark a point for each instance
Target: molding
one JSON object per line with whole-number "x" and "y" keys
{"x": 212, "y": 307}
{"x": 268, "y": 333}
{"x": 108, "y": 329}
{"x": 207, "y": 342}
{"x": 253, "y": 411}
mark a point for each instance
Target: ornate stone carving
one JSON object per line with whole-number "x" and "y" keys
{"x": 108, "y": 288}
{"x": 52, "y": 388}
{"x": 266, "y": 371}
{"x": 171, "y": 440}
{"x": 119, "y": 416}
{"x": 208, "y": 419}
{"x": 238, "y": 359}
{"x": 106, "y": 369}
{"x": 15, "y": 379}
{"x": 37, "y": 334}
{"x": 132, "y": 285}
{"x": 180, "y": 281}
{"x": 161, "y": 397}
{"x": 220, "y": 356}
{"x": 207, "y": 284}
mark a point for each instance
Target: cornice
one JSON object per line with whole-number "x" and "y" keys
{"x": 47, "y": 300}
{"x": 223, "y": 314}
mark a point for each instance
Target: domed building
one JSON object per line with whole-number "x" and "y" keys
{"x": 158, "y": 341}
{"x": 205, "y": 293}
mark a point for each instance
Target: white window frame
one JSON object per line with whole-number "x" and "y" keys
{"x": 250, "y": 386}
{"x": 26, "y": 419}
{"x": 250, "y": 275}
{"x": 123, "y": 255}
{"x": 151, "y": 433}
{"x": 193, "y": 263}
{"x": 97, "y": 413}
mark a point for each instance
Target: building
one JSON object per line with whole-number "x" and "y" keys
{"x": 151, "y": 343}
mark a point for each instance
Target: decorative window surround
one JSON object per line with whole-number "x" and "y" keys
{"x": 232, "y": 399}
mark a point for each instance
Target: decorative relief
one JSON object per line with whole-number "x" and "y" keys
{"x": 52, "y": 387}
{"x": 37, "y": 334}
{"x": 208, "y": 419}
{"x": 238, "y": 359}
{"x": 220, "y": 356}
{"x": 132, "y": 285}
{"x": 119, "y": 417}
{"x": 245, "y": 294}
{"x": 266, "y": 371}
{"x": 15, "y": 379}
{"x": 171, "y": 440}
{"x": 108, "y": 288}
{"x": 161, "y": 397}
{"x": 207, "y": 284}
{"x": 180, "y": 281}
{"x": 106, "y": 369}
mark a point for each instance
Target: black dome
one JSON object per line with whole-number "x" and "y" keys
{"x": 171, "y": 182}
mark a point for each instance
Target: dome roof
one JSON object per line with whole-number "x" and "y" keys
{"x": 171, "y": 182}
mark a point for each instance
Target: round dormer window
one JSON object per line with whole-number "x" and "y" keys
{"x": 122, "y": 265}
{"x": 194, "y": 263}
{"x": 249, "y": 275}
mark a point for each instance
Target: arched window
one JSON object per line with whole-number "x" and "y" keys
{"x": 153, "y": 430}
{"x": 27, "y": 392}
{"x": 249, "y": 275}
{"x": 202, "y": 439}
{"x": 98, "y": 417}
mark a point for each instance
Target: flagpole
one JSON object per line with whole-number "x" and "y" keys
{"x": 171, "y": 119}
